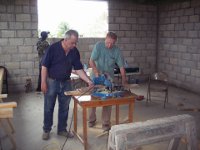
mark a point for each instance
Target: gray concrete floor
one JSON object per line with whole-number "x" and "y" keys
{"x": 28, "y": 119}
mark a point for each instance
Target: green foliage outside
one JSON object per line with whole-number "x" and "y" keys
{"x": 62, "y": 28}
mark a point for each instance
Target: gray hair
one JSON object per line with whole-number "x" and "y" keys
{"x": 69, "y": 33}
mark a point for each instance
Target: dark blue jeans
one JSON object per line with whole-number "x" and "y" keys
{"x": 56, "y": 90}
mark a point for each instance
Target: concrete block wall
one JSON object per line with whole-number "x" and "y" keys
{"x": 179, "y": 43}
{"x": 18, "y": 35}
{"x": 136, "y": 28}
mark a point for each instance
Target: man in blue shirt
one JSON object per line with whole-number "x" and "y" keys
{"x": 57, "y": 66}
{"x": 103, "y": 58}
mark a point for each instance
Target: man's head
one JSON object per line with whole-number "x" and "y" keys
{"x": 44, "y": 35}
{"x": 71, "y": 39}
{"x": 110, "y": 40}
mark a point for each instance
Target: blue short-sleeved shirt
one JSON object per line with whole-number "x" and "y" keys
{"x": 59, "y": 64}
{"x": 105, "y": 58}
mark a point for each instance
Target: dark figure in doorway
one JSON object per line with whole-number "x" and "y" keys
{"x": 42, "y": 45}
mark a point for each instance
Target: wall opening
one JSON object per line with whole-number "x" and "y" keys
{"x": 89, "y": 18}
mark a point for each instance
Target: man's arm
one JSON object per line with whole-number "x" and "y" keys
{"x": 44, "y": 79}
{"x": 94, "y": 68}
{"x": 84, "y": 76}
{"x": 123, "y": 74}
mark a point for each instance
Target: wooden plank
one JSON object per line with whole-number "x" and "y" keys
{"x": 9, "y": 134}
{"x": 6, "y": 113}
{"x": 1, "y": 79}
{"x": 83, "y": 90}
{"x": 8, "y": 105}
{"x": 3, "y": 96}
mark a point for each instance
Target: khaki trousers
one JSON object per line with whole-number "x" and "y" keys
{"x": 106, "y": 114}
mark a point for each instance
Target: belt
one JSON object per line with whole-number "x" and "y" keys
{"x": 61, "y": 80}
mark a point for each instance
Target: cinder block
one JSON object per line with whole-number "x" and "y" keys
{"x": 182, "y": 34}
{"x": 3, "y": 41}
{"x": 131, "y": 20}
{"x": 175, "y": 20}
{"x": 188, "y": 26}
{"x": 113, "y": 12}
{"x": 5, "y": 58}
{"x": 186, "y": 56}
{"x": 16, "y": 41}
{"x": 140, "y": 46}
{"x": 182, "y": 48}
{"x": 172, "y": 75}
{"x": 26, "y": 64}
{"x": 18, "y": 8}
{"x": 34, "y": 18}
{"x": 185, "y": 70}
{"x": 189, "y": 11}
{"x": 125, "y": 40}
{"x": 8, "y": 33}
{"x": 30, "y": 41}
{"x": 33, "y": 9}
{"x": 2, "y": 8}
{"x": 170, "y": 27}
{"x": 120, "y": 19}
{"x": 30, "y": 25}
{"x": 190, "y": 79}
{"x": 19, "y": 57}
{"x": 15, "y": 25}
{"x": 184, "y": 19}
{"x": 125, "y": 13}
{"x": 7, "y": 17}
{"x": 25, "y": 49}
{"x": 194, "y": 18}
{"x": 174, "y": 61}
{"x": 187, "y": 41}
{"x": 181, "y": 77}
{"x": 26, "y": 9}
{"x": 23, "y": 17}
{"x": 3, "y": 25}
{"x": 195, "y": 72}
{"x": 197, "y": 26}
{"x": 12, "y": 65}
{"x": 23, "y": 33}
{"x": 125, "y": 27}
{"x": 192, "y": 34}
{"x": 185, "y": 5}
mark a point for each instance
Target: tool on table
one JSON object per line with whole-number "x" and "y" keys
{"x": 109, "y": 89}
{"x": 103, "y": 88}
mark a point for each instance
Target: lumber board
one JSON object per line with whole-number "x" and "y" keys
{"x": 1, "y": 79}
{"x": 6, "y": 113}
{"x": 8, "y": 105}
{"x": 3, "y": 96}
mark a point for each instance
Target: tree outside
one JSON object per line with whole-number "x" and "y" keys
{"x": 62, "y": 28}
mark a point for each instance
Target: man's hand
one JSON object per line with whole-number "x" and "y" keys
{"x": 123, "y": 74}
{"x": 90, "y": 84}
{"x": 44, "y": 80}
{"x": 124, "y": 82}
{"x": 44, "y": 87}
{"x": 82, "y": 74}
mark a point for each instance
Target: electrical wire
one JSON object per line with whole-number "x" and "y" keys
{"x": 1, "y": 148}
{"x": 73, "y": 116}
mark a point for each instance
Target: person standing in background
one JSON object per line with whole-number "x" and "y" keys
{"x": 42, "y": 45}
